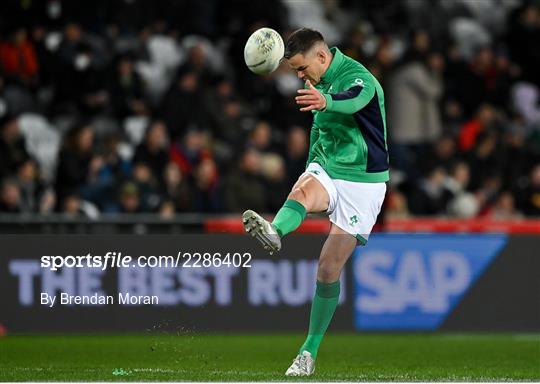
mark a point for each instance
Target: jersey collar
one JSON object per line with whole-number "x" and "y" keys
{"x": 332, "y": 71}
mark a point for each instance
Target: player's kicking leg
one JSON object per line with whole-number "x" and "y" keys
{"x": 307, "y": 196}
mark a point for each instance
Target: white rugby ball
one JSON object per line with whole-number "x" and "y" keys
{"x": 264, "y": 51}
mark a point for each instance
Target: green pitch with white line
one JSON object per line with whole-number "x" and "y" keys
{"x": 265, "y": 357}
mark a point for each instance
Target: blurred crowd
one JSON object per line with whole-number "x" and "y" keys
{"x": 140, "y": 106}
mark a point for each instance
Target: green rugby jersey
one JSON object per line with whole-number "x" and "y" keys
{"x": 348, "y": 138}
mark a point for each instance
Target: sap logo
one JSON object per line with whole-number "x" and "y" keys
{"x": 392, "y": 283}
{"x": 415, "y": 282}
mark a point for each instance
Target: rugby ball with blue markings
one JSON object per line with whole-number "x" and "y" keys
{"x": 264, "y": 51}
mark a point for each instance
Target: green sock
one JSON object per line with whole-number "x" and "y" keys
{"x": 323, "y": 308}
{"x": 289, "y": 217}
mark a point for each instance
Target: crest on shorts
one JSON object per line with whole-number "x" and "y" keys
{"x": 353, "y": 220}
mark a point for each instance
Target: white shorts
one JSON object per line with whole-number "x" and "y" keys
{"x": 353, "y": 206}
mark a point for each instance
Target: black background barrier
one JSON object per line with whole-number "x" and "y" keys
{"x": 274, "y": 293}
{"x": 507, "y": 296}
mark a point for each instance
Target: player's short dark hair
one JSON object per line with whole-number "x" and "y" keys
{"x": 301, "y": 41}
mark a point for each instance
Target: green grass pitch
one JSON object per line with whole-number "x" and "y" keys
{"x": 264, "y": 357}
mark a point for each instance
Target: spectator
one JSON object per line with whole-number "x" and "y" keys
{"x": 442, "y": 153}
{"x": 18, "y": 59}
{"x": 206, "y": 193}
{"x": 167, "y": 210}
{"x": 383, "y": 62}
{"x": 233, "y": 122}
{"x": 126, "y": 90}
{"x": 430, "y": 196}
{"x": 261, "y": 136}
{"x": 278, "y": 105}
{"x": 129, "y": 198}
{"x": 461, "y": 203}
{"x": 458, "y": 178}
{"x": 505, "y": 74}
{"x": 181, "y": 106}
{"x": 198, "y": 60}
{"x": 82, "y": 83}
{"x": 12, "y": 147}
{"x": 273, "y": 172}
{"x": 455, "y": 72}
{"x": 103, "y": 188}
{"x": 420, "y": 45}
{"x": 154, "y": 150}
{"x": 354, "y": 45}
{"x": 296, "y": 153}
{"x": 73, "y": 205}
{"x": 10, "y": 197}
{"x": 77, "y": 164}
{"x": 479, "y": 76}
{"x": 244, "y": 187}
{"x": 35, "y": 196}
{"x": 396, "y": 204}
{"x": 220, "y": 91}
{"x": 523, "y": 34}
{"x": 504, "y": 208}
{"x": 193, "y": 149}
{"x": 177, "y": 189}
{"x": 146, "y": 190}
{"x": 530, "y": 194}
{"x": 414, "y": 118}
{"x": 482, "y": 121}
{"x": 484, "y": 161}
{"x": 488, "y": 191}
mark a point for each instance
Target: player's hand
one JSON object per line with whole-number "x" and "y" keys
{"x": 311, "y": 98}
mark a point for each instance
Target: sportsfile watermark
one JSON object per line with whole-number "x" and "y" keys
{"x": 116, "y": 259}
{"x": 92, "y": 263}
{"x": 127, "y": 270}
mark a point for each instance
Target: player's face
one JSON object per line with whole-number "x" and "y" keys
{"x": 309, "y": 66}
